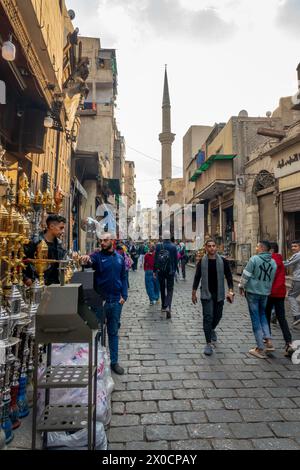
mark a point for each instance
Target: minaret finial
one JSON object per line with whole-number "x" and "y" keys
{"x": 166, "y": 97}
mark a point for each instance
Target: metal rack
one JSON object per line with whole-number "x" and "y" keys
{"x": 64, "y": 316}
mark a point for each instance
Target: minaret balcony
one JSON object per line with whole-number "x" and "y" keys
{"x": 166, "y": 138}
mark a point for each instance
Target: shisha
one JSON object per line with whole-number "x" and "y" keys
{"x": 10, "y": 303}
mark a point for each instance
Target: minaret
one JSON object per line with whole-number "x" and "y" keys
{"x": 166, "y": 138}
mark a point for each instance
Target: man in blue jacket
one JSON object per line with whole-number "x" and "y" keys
{"x": 165, "y": 266}
{"x": 111, "y": 284}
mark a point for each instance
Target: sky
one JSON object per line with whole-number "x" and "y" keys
{"x": 222, "y": 55}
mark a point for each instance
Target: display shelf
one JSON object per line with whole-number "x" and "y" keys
{"x": 64, "y": 418}
{"x": 65, "y": 376}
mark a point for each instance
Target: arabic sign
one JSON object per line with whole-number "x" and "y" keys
{"x": 288, "y": 161}
{"x": 287, "y": 165}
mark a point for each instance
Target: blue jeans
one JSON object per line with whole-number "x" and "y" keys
{"x": 112, "y": 312}
{"x": 152, "y": 286}
{"x": 257, "y": 309}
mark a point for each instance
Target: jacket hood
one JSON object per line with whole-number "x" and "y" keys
{"x": 265, "y": 256}
{"x": 277, "y": 257}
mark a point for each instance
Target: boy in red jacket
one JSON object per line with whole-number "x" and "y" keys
{"x": 276, "y": 300}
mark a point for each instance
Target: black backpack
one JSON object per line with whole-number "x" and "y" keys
{"x": 164, "y": 261}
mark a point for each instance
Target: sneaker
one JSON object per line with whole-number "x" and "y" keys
{"x": 296, "y": 320}
{"x": 152, "y": 303}
{"x": 208, "y": 350}
{"x": 117, "y": 369}
{"x": 258, "y": 353}
{"x": 269, "y": 346}
{"x": 289, "y": 350}
{"x": 214, "y": 337}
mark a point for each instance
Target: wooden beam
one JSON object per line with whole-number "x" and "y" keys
{"x": 271, "y": 132}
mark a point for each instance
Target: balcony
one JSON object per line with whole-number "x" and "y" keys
{"x": 89, "y": 109}
{"x": 214, "y": 176}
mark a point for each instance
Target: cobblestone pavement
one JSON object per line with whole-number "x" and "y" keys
{"x": 174, "y": 397}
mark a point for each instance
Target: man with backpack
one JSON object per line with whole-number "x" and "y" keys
{"x": 165, "y": 265}
{"x": 183, "y": 259}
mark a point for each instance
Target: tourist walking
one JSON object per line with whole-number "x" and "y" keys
{"x": 134, "y": 256}
{"x": 151, "y": 281}
{"x": 111, "y": 285}
{"x": 276, "y": 300}
{"x": 183, "y": 257}
{"x": 212, "y": 270}
{"x": 294, "y": 292}
{"x": 165, "y": 265}
{"x": 256, "y": 283}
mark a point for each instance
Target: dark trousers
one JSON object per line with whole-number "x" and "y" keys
{"x": 212, "y": 314}
{"x": 278, "y": 304}
{"x": 135, "y": 262}
{"x": 183, "y": 264}
{"x": 166, "y": 283}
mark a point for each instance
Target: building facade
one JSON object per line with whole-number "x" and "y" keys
{"x": 46, "y": 80}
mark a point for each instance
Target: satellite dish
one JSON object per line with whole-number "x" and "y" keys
{"x": 243, "y": 113}
{"x": 71, "y": 14}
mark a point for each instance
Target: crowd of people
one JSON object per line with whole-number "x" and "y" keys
{"x": 263, "y": 283}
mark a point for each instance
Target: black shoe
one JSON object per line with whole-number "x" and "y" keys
{"x": 117, "y": 369}
{"x": 168, "y": 312}
{"x": 296, "y": 320}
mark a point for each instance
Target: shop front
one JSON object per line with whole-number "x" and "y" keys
{"x": 286, "y": 157}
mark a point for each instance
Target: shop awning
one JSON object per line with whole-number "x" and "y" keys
{"x": 196, "y": 175}
{"x": 205, "y": 165}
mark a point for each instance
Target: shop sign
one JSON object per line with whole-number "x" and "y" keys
{"x": 288, "y": 165}
{"x": 2, "y": 92}
{"x": 288, "y": 161}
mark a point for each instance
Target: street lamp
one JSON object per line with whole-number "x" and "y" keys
{"x": 9, "y": 50}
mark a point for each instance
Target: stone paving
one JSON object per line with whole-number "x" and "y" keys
{"x": 174, "y": 397}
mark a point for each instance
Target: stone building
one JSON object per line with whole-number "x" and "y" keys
{"x": 45, "y": 80}
{"x": 272, "y": 183}
{"x": 129, "y": 190}
{"x": 99, "y": 161}
{"x": 220, "y": 179}
{"x": 193, "y": 143}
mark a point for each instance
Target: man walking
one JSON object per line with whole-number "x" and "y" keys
{"x": 212, "y": 269}
{"x": 256, "y": 281}
{"x": 111, "y": 282}
{"x": 294, "y": 292}
{"x": 276, "y": 300}
{"x": 165, "y": 265}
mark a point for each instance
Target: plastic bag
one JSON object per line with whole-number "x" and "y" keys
{"x": 75, "y": 355}
{"x": 78, "y": 440}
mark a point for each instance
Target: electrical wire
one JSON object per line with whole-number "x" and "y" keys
{"x": 148, "y": 156}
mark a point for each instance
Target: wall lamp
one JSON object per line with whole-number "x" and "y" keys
{"x": 9, "y": 50}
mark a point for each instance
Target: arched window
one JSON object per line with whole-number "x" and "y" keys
{"x": 263, "y": 180}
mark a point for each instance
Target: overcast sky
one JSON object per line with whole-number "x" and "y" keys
{"x": 222, "y": 56}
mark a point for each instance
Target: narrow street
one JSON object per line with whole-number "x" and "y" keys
{"x": 174, "y": 397}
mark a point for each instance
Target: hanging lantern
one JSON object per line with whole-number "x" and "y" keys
{"x": 9, "y": 50}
